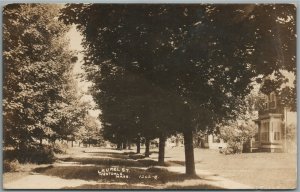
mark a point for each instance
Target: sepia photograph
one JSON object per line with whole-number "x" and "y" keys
{"x": 149, "y": 96}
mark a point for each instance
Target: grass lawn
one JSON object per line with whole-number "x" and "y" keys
{"x": 83, "y": 167}
{"x": 258, "y": 170}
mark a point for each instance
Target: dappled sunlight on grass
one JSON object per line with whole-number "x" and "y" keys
{"x": 143, "y": 173}
{"x": 90, "y": 168}
{"x": 155, "y": 175}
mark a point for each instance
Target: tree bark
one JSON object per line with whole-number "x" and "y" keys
{"x": 124, "y": 145}
{"x": 189, "y": 153}
{"x": 41, "y": 141}
{"x": 138, "y": 145}
{"x": 161, "y": 152}
{"x": 119, "y": 146}
{"x": 72, "y": 144}
{"x": 147, "y": 145}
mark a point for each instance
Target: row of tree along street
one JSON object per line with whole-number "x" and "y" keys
{"x": 41, "y": 101}
{"x": 162, "y": 69}
{"x": 157, "y": 70}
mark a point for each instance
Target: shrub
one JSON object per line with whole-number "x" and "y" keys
{"x": 236, "y": 136}
{"x": 11, "y": 166}
{"x": 233, "y": 147}
{"x": 60, "y": 148}
{"x": 291, "y": 138}
{"x": 33, "y": 153}
{"x": 41, "y": 154}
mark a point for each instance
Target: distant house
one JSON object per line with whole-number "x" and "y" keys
{"x": 271, "y": 129}
{"x": 212, "y": 141}
{"x": 209, "y": 141}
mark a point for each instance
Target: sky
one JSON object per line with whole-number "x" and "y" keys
{"x": 75, "y": 44}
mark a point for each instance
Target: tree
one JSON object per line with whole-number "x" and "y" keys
{"x": 37, "y": 65}
{"x": 70, "y": 111}
{"x": 203, "y": 63}
{"x": 89, "y": 133}
{"x": 236, "y": 135}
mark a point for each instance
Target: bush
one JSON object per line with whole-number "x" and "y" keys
{"x": 236, "y": 136}
{"x": 60, "y": 148}
{"x": 11, "y": 166}
{"x": 232, "y": 148}
{"x": 41, "y": 154}
{"x": 31, "y": 154}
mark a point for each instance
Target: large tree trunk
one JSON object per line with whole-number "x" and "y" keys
{"x": 41, "y": 141}
{"x": 119, "y": 146}
{"x": 124, "y": 145}
{"x": 147, "y": 145}
{"x": 138, "y": 145}
{"x": 161, "y": 152}
{"x": 189, "y": 152}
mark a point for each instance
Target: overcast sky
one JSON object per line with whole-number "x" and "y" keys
{"x": 75, "y": 44}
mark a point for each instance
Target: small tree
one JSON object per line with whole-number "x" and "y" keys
{"x": 236, "y": 136}
{"x": 89, "y": 133}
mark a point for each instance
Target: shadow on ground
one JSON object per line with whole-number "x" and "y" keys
{"x": 113, "y": 169}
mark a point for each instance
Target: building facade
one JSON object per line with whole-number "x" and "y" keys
{"x": 213, "y": 142}
{"x": 272, "y": 121}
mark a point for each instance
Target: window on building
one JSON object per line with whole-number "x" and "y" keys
{"x": 276, "y": 136}
{"x": 266, "y": 104}
{"x": 265, "y": 131}
{"x": 272, "y": 104}
{"x": 277, "y": 131}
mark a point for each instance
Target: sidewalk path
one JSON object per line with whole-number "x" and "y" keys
{"x": 207, "y": 178}
{"x": 41, "y": 181}
{"x": 38, "y": 181}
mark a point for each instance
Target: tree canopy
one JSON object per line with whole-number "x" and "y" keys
{"x": 40, "y": 100}
{"x": 204, "y": 58}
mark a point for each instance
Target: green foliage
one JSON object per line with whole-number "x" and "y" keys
{"x": 200, "y": 51}
{"x": 89, "y": 133}
{"x": 159, "y": 68}
{"x": 279, "y": 82}
{"x": 11, "y": 166}
{"x": 60, "y": 148}
{"x": 291, "y": 136}
{"x": 31, "y": 153}
{"x": 291, "y": 133}
{"x": 40, "y": 97}
{"x": 233, "y": 147}
{"x": 236, "y": 136}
